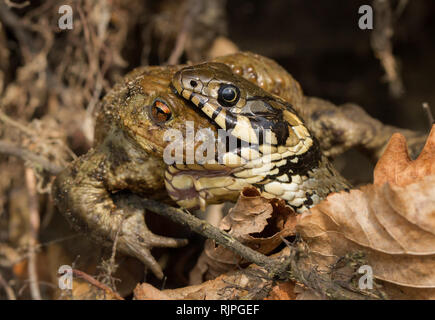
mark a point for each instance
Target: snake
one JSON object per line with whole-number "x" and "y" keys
{"x": 275, "y": 152}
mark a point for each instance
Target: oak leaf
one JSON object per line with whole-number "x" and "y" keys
{"x": 391, "y": 222}
{"x": 396, "y": 167}
{"x": 254, "y": 221}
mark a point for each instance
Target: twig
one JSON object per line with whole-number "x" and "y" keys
{"x": 93, "y": 45}
{"x": 276, "y": 268}
{"x": 16, "y": 124}
{"x": 96, "y": 283}
{"x": 179, "y": 47}
{"x": 109, "y": 266}
{"x": 426, "y": 108}
{"x": 9, "y": 292}
{"x": 382, "y": 45}
{"x": 8, "y": 256}
{"x": 180, "y": 42}
{"x": 11, "y": 4}
{"x": 288, "y": 267}
{"x": 17, "y": 26}
{"x": 191, "y": 11}
{"x": 17, "y": 151}
{"x": 34, "y": 227}
{"x": 31, "y": 133}
{"x": 321, "y": 282}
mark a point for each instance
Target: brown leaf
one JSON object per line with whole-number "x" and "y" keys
{"x": 396, "y": 167}
{"x": 230, "y": 285}
{"x": 213, "y": 261}
{"x": 249, "y": 215}
{"x": 145, "y": 291}
{"x": 256, "y": 222}
{"x": 248, "y": 283}
{"x": 399, "y": 247}
{"x": 392, "y": 222}
{"x": 282, "y": 291}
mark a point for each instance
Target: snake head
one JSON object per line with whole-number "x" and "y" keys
{"x": 239, "y": 106}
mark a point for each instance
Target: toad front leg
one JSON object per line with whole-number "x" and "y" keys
{"x": 81, "y": 193}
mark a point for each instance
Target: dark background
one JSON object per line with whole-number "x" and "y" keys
{"x": 320, "y": 44}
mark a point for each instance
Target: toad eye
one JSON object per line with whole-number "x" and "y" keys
{"x": 160, "y": 112}
{"x": 228, "y": 95}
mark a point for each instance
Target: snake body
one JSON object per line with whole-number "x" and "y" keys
{"x": 282, "y": 159}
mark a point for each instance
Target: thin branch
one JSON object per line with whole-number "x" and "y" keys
{"x": 287, "y": 267}
{"x": 381, "y": 42}
{"x": 109, "y": 267}
{"x": 277, "y": 268}
{"x": 9, "y": 292}
{"x": 96, "y": 283}
{"x": 8, "y": 120}
{"x": 321, "y": 282}
{"x": 29, "y": 132}
{"x": 34, "y": 228}
{"x": 11, "y": 4}
{"x": 8, "y": 148}
{"x": 429, "y": 114}
{"x": 10, "y": 19}
{"x": 190, "y": 13}
{"x": 179, "y": 47}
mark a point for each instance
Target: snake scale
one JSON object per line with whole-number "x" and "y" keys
{"x": 288, "y": 164}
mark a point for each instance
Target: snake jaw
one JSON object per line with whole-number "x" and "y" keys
{"x": 196, "y": 188}
{"x": 301, "y": 181}
{"x": 289, "y": 164}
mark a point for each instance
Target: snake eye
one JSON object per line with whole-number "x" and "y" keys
{"x": 160, "y": 112}
{"x": 228, "y": 95}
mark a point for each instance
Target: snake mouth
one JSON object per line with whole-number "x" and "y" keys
{"x": 286, "y": 164}
{"x": 195, "y": 188}
{"x": 281, "y": 175}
